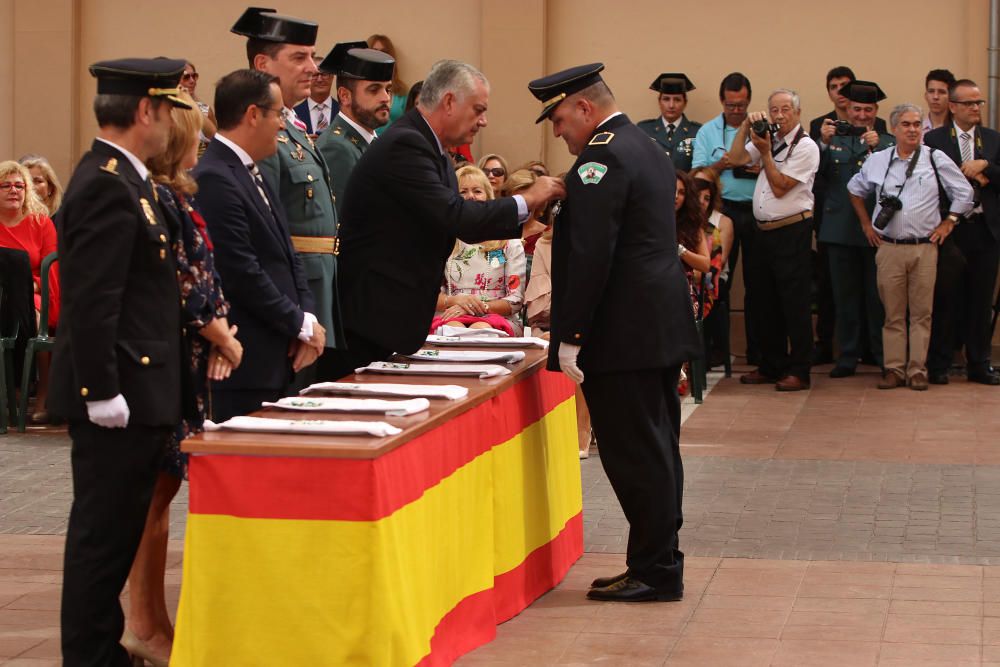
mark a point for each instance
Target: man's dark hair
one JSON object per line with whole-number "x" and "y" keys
{"x": 238, "y": 91}
{"x": 350, "y": 83}
{"x": 958, "y": 84}
{"x": 257, "y": 46}
{"x": 119, "y": 110}
{"x": 942, "y": 75}
{"x": 839, "y": 72}
{"x": 734, "y": 82}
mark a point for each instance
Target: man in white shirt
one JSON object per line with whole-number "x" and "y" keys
{"x": 781, "y": 266}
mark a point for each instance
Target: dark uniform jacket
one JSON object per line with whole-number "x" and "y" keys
{"x": 680, "y": 148}
{"x": 816, "y": 125}
{"x": 119, "y": 332}
{"x": 837, "y": 165}
{"x": 402, "y": 213}
{"x": 341, "y": 147}
{"x": 986, "y": 147}
{"x": 299, "y": 176}
{"x": 262, "y": 275}
{"x": 614, "y": 258}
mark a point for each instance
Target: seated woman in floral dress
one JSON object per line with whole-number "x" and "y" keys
{"x": 483, "y": 282}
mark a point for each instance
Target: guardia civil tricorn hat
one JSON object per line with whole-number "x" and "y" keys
{"x": 263, "y": 23}
{"x": 672, "y": 83}
{"x": 554, "y": 88}
{"x": 355, "y": 60}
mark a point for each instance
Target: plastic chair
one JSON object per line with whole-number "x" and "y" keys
{"x": 699, "y": 364}
{"x": 8, "y": 401}
{"x": 40, "y": 343}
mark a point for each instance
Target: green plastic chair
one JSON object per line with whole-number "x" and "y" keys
{"x": 40, "y": 343}
{"x": 8, "y": 402}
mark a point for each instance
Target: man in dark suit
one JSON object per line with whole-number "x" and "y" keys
{"x": 672, "y": 130}
{"x": 263, "y": 276}
{"x": 318, "y": 110}
{"x": 967, "y": 272}
{"x": 402, "y": 214}
{"x": 614, "y": 254}
{"x": 116, "y": 368}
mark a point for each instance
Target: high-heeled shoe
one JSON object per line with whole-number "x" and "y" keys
{"x": 139, "y": 652}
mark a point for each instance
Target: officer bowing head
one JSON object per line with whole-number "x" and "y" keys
{"x": 577, "y": 101}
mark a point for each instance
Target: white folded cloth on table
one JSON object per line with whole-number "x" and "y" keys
{"x": 320, "y": 404}
{"x": 460, "y": 341}
{"x": 304, "y": 426}
{"x": 452, "y": 392}
{"x": 463, "y": 332}
{"x": 469, "y": 356}
{"x": 477, "y": 370}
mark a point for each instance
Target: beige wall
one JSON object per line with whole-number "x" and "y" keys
{"x": 512, "y": 40}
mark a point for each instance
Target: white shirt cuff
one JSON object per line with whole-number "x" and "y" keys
{"x": 522, "y": 209}
{"x": 306, "y": 332}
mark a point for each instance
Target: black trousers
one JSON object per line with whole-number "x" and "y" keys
{"x": 745, "y": 231}
{"x": 859, "y": 308}
{"x": 826, "y": 309}
{"x": 636, "y": 418}
{"x": 114, "y": 471}
{"x": 781, "y": 270}
{"x": 337, "y": 364}
{"x": 963, "y": 298}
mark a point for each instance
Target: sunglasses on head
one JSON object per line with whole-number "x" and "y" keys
{"x": 495, "y": 172}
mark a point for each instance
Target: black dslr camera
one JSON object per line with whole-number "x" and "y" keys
{"x": 842, "y": 128}
{"x": 889, "y": 206}
{"x": 762, "y": 127}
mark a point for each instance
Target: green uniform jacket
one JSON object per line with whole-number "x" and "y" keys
{"x": 838, "y": 163}
{"x": 680, "y": 148}
{"x": 342, "y": 147}
{"x": 298, "y": 173}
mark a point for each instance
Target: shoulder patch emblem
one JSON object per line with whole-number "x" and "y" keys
{"x": 602, "y": 138}
{"x": 592, "y": 172}
{"x": 111, "y": 166}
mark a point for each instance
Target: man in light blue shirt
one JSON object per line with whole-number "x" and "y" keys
{"x": 711, "y": 149}
{"x": 908, "y": 227}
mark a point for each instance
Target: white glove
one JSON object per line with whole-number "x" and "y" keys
{"x": 567, "y": 362}
{"x": 111, "y": 413}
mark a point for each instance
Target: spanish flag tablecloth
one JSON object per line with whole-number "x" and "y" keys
{"x": 411, "y": 558}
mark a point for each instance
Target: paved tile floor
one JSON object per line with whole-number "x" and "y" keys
{"x": 836, "y": 526}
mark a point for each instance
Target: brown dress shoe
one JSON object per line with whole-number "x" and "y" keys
{"x": 918, "y": 382}
{"x": 791, "y": 383}
{"x": 756, "y": 377}
{"x": 891, "y": 380}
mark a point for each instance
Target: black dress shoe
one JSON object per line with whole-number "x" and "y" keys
{"x": 633, "y": 590}
{"x": 602, "y": 582}
{"x": 937, "y": 377}
{"x": 841, "y": 372}
{"x": 985, "y": 377}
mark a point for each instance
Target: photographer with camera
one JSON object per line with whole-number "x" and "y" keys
{"x": 781, "y": 266}
{"x": 845, "y": 145}
{"x": 967, "y": 273}
{"x": 907, "y": 229}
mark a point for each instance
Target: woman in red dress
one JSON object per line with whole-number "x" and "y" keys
{"x": 25, "y": 225}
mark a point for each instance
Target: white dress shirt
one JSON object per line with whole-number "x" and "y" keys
{"x": 801, "y": 165}
{"x": 368, "y": 136}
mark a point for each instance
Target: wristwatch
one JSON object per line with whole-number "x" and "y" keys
{"x": 954, "y": 218}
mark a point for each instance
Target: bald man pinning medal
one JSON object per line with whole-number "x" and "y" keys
{"x": 614, "y": 254}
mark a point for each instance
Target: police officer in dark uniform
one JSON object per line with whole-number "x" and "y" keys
{"x": 364, "y": 84}
{"x": 615, "y": 254}
{"x": 851, "y": 258}
{"x": 298, "y": 172}
{"x": 672, "y": 130}
{"x": 116, "y": 368}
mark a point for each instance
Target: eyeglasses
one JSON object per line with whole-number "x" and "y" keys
{"x": 495, "y": 172}
{"x": 15, "y": 186}
{"x": 968, "y": 104}
{"x": 193, "y": 76}
{"x": 735, "y": 107}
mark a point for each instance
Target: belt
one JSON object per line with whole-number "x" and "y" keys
{"x": 769, "y": 225}
{"x": 742, "y": 205}
{"x": 906, "y": 241}
{"x": 323, "y": 245}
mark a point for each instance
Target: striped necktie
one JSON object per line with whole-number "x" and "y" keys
{"x": 966, "y": 146}
{"x": 259, "y": 182}
{"x": 323, "y": 122}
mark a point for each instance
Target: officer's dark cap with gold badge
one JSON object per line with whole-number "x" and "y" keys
{"x": 672, "y": 83}
{"x": 865, "y": 92}
{"x": 265, "y": 24}
{"x": 554, "y": 88}
{"x": 142, "y": 77}
{"x": 354, "y": 60}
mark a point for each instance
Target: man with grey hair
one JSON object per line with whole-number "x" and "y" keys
{"x": 908, "y": 224}
{"x": 402, "y": 213}
{"x": 781, "y": 265}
